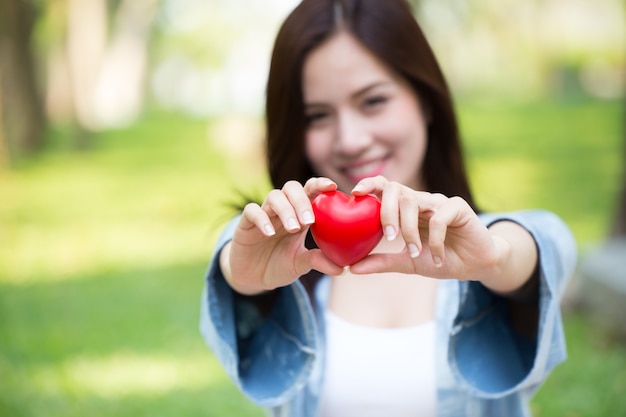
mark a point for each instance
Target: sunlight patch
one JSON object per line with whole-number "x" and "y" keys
{"x": 124, "y": 374}
{"x": 502, "y": 183}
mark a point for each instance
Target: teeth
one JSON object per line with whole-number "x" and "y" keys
{"x": 363, "y": 169}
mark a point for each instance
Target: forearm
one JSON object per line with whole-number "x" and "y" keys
{"x": 517, "y": 276}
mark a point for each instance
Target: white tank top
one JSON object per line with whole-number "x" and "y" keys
{"x": 378, "y": 371}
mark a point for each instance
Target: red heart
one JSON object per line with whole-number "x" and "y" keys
{"x": 346, "y": 228}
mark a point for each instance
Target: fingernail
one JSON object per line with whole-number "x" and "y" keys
{"x": 269, "y": 230}
{"x": 438, "y": 262}
{"x": 307, "y": 217}
{"x": 292, "y": 224}
{"x": 390, "y": 233}
{"x": 413, "y": 250}
{"x": 357, "y": 188}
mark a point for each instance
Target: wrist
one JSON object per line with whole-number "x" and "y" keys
{"x": 516, "y": 259}
{"x": 236, "y": 285}
{"x": 496, "y": 277}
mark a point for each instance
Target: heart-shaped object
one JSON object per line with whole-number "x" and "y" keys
{"x": 346, "y": 228}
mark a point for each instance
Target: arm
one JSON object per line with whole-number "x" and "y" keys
{"x": 238, "y": 332}
{"x": 504, "y": 266}
{"x": 520, "y": 265}
{"x": 487, "y": 351}
{"x": 268, "y": 351}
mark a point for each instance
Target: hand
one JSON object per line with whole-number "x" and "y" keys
{"x": 444, "y": 238}
{"x": 267, "y": 250}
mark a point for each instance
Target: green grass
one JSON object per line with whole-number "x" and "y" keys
{"x": 103, "y": 254}
{"x": 564, "y": 158}
{"x": 592, "y": 381}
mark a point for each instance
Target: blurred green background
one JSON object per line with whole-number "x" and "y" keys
{"x": 128, "y": 127}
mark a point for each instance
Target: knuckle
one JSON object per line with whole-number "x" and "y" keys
{"x": 436, "y": 243}
{"x": 250, "y": 206}
{"x": 253, "y": 212}
{"x": 458, "y": 201}
{"x": 411, "y": 235}
{"x": 273, "y": 198}
{"x": 439, "y": 197}
{"x": 394, "y": 185}
{"x": 311, "y": 184}
{"x": 435, "y": 222}
{"x": 406, "y": 200}
{"x": 291, "y": 185}
{"x": 273, "y": 195}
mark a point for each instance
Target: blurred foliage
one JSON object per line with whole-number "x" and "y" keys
{"x": 210, "y": 57}
{"x": 564, "y": 157}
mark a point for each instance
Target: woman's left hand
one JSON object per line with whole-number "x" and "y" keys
{"x": 444, "y": 238}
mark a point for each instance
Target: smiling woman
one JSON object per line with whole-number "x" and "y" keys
{"x": 356, "y": 102}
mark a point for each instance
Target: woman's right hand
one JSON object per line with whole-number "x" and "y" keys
{"x": 267, "y": 250}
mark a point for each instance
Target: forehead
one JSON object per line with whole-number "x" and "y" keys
{"x": 342, "y": 63}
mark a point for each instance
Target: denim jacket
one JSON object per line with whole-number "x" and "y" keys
{"x": 484, "y": 368}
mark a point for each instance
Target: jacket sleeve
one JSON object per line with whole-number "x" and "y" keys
{"x": 269, "y": 356}
{"x": 486, "y": 355}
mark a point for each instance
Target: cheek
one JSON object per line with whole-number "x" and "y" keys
{"x": 405, "y": 137}
{"x": 413, "y": 132}
{"x": 416, "y": 144}
{"x": 317, "y": 148}
{"x": 409, "y": 140}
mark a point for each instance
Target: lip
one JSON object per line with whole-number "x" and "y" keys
{"x": 365, "y": 169}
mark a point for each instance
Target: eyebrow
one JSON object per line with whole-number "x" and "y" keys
{"x": 370, "y": 87}
{"x": 356, "y": 94}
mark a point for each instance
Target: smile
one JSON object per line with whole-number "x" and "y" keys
{"x": 364, "y": 170}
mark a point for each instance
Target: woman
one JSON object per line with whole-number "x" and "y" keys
{"x": 453, "y": 314}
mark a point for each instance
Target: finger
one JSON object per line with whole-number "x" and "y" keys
{"x": 371, "y": 185}
{"x": 384, "y": 262}
{"x": 317, "y": 185}
{"x": 398, "y": 262}
{"x": 409, "y": 224}
{"x": 389, "y": 210}
{"x": 316, "y": 260}
{"x": 430, "y": 202}
{"x": 277, "y": 202}
{"x": 446, "y": 215}
{"x": 300, "y": 202}
{"x": 254, "y": 216}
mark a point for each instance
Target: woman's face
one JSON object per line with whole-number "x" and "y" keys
{"x": 363, "y": 119}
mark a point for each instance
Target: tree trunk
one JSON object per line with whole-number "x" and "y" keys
{"x": 4, "y": 145}
{"x": 107, "y": 55}
{"x": 86, "y": 45}
{"x": 119, "y": 93}
{"x": 22, "y": 120}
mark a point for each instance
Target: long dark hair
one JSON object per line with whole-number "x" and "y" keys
{"x": 389, "y": 30}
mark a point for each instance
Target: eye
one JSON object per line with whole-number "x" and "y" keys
{"x": 316, "y": 117}
{"x": 374, "y": 102}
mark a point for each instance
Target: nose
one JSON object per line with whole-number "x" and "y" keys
{"x": 352, "y": 135}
